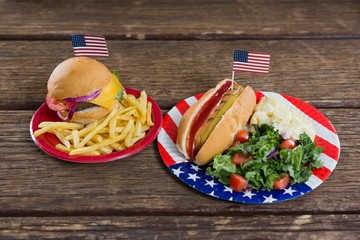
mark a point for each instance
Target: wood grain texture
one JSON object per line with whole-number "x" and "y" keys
{"x": 159, "y": 19}
{"x": 325, "y": 74}
{"x": 173, "y": 50}
{"x": 313, "y": 227}
{"x": 35, "y": 184}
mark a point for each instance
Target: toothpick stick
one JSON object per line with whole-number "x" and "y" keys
{"x": 233, "y": 76}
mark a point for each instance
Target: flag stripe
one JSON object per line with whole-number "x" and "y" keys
{"x": 251, "y": 64}
{"x": 79, "y": 49}
{"x": 259, "y": 55}
{"x": 259, "y": 58}
{"x": 91, "y": 54}
{"x": 249, "y": 70}
{"x": 250, "y": 67}
{"x": 257, "y": 61}
{"x": 95, "y": 41}
{"x": 90, "y": 49}
{"x": 99, "y": 39}
{"x": 96, "y": 44}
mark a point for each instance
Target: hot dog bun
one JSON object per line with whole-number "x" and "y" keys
{"x": 186, "y": 120}
{"x": 240, "y": 108}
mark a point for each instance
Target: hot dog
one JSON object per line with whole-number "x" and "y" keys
{"x": 209, "y": 126}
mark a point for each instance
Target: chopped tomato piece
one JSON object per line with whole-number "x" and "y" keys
{"x": 58, "y": 105}
{"x": 235, "y": 143}
{"x": 288, "y": 144}
{"x": 237, "y": 182}
{"x": 242, "y": 136}
{"x": 240, "y": 158}
{"x": 282, "y": 182}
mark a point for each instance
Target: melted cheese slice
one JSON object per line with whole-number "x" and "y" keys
{"x": 108, "y": 93}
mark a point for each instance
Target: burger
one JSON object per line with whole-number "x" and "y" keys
{"x": 82, "y": 90}
{"x": 209, "y": 126}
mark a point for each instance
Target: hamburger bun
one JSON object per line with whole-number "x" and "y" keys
{"x": 77, "y": 76}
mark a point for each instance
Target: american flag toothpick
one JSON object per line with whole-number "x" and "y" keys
{"x": 89, "y": 45}
{"x": 245, "y": 61}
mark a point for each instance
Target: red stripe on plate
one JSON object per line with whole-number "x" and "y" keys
{"x": 170, "y": 127}
{"x": 168, "y": 160}
{"x": 322, "y": 173}
{"x": 182, "y": 106}
{"x": 312, "y": 112}
{"x": 198, "y": 96}
{"x": 329, "y": 149}
{"x": 259, "y": 96}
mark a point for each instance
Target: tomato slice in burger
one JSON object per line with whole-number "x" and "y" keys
{"x": 58, "y": 105}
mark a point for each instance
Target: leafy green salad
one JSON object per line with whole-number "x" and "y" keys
{"x": 266, "y": 161}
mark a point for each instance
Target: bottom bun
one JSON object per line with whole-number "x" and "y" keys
{"x": 92, "y": 114}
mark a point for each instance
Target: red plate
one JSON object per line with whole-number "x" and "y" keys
{"x": 47, "y": 141}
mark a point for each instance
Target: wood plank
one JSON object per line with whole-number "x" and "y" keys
{"x": 35, "y": 184}
{"x": 229, "y": 19}
{"x": 323, "y": 73}
{"x": 332, "y": 226}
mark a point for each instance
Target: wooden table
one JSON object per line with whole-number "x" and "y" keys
{"x": 173, "y": 50}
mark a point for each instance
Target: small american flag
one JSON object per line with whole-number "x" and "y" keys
{"x": 89, "y": 45}
{"x": 245, "y": 61}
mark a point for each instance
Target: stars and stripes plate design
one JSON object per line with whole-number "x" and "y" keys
{"x": 196, "y": 177}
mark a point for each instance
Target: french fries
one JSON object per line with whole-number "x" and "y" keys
{"x": 121, "y": 129}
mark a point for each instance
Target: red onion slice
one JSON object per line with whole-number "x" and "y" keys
{"x": 85, "y": 98}
{"x": 284, "y": 135}
{"x": 273, "y": 153}
{"x": 69, "y": 115}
